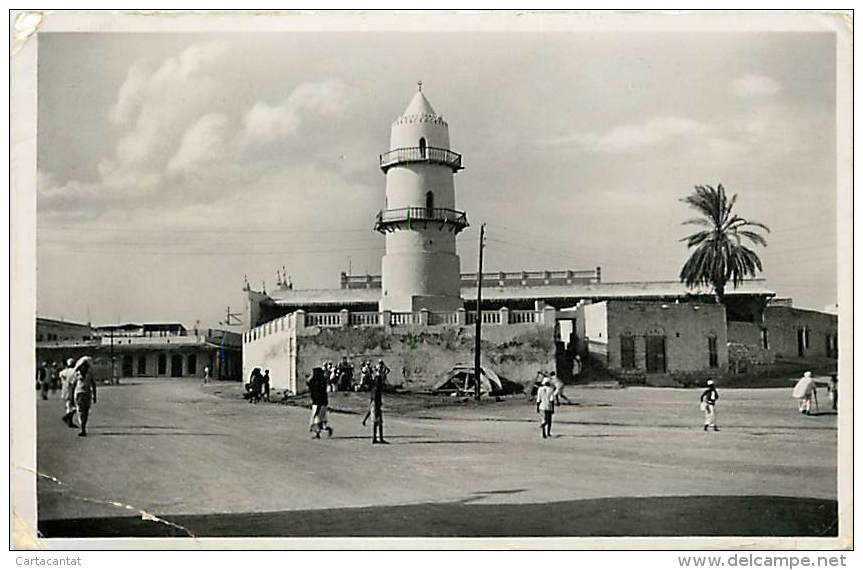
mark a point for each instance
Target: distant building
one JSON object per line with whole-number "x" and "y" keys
{"x": 53, "y": 330}
{"x": 153, "y": 350}
{"x": 635, "y": 339}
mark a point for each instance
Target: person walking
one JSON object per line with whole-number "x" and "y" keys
{"x": 376, "y": 404}
{"x": 558, "y": 386}
{"x": 804, "y": 391}
{"x": 545, "y": 406}
{"x": 85, "y": 392}
{"x": 206, "y": 374}
{"x": 317, "y": 385}
{"x": 67, "y": 393}
{"x": 708, "y": 405}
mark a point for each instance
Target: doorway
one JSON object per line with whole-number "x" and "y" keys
{"x": 801, "y": 342}
{"x": 655, "y": 354}
{"x": 177, "y": 366}
{"x": 127, "y": 365}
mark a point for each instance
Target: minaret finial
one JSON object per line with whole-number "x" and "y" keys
{"x": 420, "y": 86}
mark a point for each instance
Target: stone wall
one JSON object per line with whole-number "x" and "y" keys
{"x": 783, "y": 324}
{"x": 420, "y": 357}
{"x": 750, "y": 336}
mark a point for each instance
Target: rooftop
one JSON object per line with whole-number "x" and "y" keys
{"x": 631, "y": 289}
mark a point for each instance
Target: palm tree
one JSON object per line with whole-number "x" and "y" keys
{"x": 720, "y": 255}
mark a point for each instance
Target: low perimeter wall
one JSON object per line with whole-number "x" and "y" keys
{"x": 418, "y": 355}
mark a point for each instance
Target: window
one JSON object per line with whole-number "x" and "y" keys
{"x": 422, "y": 148}
{"x": 627, "y": 352}
{"x": 192, "y": 364}
{"x": 429, "y": 202}
{"x": 162, "y": 364}
{"x": 142, "y": 366}
{"x": 713, "y": 353}
{"x": 765, "y": 340}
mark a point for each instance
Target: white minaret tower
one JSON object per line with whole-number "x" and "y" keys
{"x": 420, "y": 269}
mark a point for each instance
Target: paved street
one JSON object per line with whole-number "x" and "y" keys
{"x": 176, "y": 448}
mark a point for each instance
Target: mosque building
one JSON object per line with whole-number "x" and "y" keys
{"x": 421, "y": 284}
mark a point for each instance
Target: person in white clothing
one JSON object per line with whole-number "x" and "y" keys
{"x": 545, "y": 406}
{"x": 67, "y": 392}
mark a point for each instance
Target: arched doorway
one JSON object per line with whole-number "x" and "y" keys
{"x": 422, "y": 147}
{"x": 429, "y": 203}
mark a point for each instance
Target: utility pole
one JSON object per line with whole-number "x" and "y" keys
{"x": 113, "y": 376}
{"x": 478, "y": 335}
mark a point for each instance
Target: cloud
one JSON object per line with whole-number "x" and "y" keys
{"x": 203, "y": 142}
{"x": 635, "y": 137}
{"x": 265, "y": 123}
{"x": 185, "y": 131}
{"x": 752, "y": 85}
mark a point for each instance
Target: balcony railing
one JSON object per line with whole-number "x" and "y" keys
{"x": 419, "y": 154}
{"x": 408, "y": 216}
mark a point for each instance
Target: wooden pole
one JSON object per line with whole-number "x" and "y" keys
{"x": 478, "y": 335}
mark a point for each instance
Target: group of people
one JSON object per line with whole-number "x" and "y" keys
{"x": 548, "y": 390}
{"x": 805, "y": 391}
{"x": 78, "y": 392}
{"x": 258, "y": 386}
{"x": 373, "y": 379}
{"x": 47, "y": 378}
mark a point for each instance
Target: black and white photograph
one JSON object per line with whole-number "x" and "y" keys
{"x": 550, "y": 279}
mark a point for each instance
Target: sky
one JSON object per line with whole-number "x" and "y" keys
{"x": 171, "y": 165}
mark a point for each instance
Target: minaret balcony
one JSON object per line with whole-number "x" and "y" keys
{"x": 413, "y": 154}
{"x": 408, "y": 218}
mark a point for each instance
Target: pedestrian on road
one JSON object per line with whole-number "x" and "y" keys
{"x": 265, "y": 382}
{"x": 67, "y": 392}
{"x": 576, "y": 366}
{"x": 253, "y": 388}
{"x": 206, "y": 374}
{"x": 42, "y": 380}
{"x": 708, "y": 405}
{"x": 317, "y": 385}
{"x": 833, "y": 390}
{"x": 55, "y": 376}
{"x": 804, "y": 391}
{"x": 558, "y": 386}
{"x": 376, "y": 413}
{"x": 545, "y": 406}
{"x": 85, "y": 392}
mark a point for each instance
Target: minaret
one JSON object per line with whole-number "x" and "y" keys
{"x": 420, "y": 269}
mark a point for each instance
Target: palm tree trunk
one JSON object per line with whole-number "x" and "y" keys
{"x": 719, "y": 288}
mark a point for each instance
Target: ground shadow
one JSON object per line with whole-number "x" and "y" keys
{"x": 612, "y": 517}
{"x": 159, "y": 434}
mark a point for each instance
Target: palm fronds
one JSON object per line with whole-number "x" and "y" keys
{"x": 719, "y": 254}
